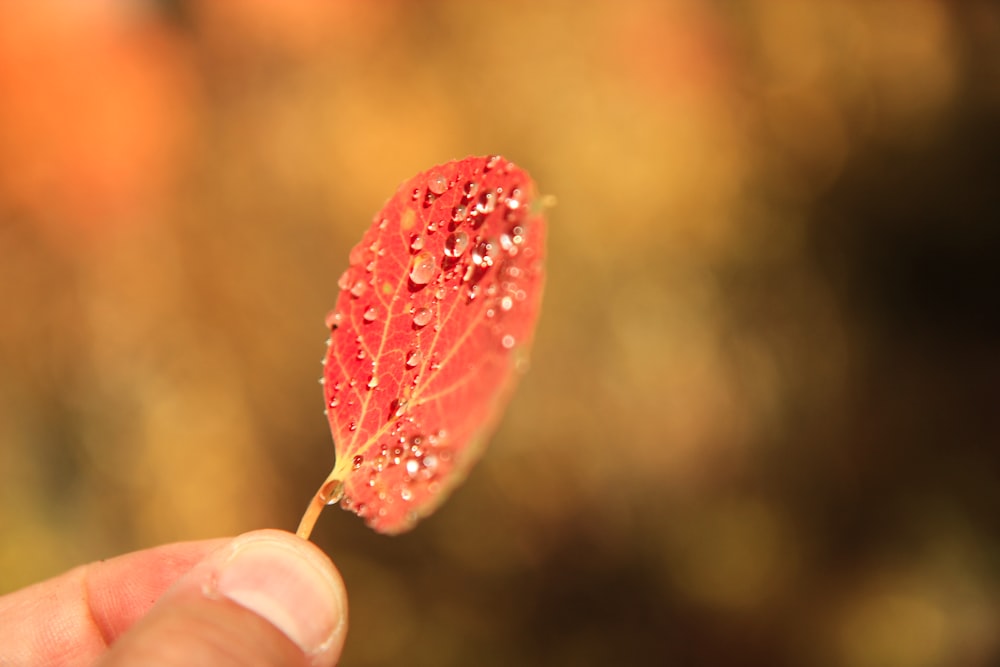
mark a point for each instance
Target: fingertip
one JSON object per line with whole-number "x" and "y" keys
{"x": 263, "y": 598}
{"x": 291, "y": 583}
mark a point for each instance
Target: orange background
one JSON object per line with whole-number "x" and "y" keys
{"x": 760, "y": 425}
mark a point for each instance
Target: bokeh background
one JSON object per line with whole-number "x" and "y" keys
{"x": 761, "y": 425}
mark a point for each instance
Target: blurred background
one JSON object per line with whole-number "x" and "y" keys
{"x": 761, "y": 423}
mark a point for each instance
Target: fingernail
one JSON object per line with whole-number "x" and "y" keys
{"x": 286, "y": 586}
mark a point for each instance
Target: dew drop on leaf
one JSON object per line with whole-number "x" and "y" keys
{"x": 422, "y": 317}
{"x": 370, "y": 314}
{"x": 414, "y": 358}
{"x": 456, "y": 244}
{"x": 487, "y": 202}
{"x": 333, "y": 319}
{"x": 437, "y": 184}
{"x": 484, "y": 254}
{"x": 423, "y": 268}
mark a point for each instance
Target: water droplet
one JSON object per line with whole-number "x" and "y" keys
{"x": 405, "y": 493}
{"x": 456, "y": 244}
{"x": 412, "y": 467}
{"x": 437, "y": 184}
{"x": 422, "y": 317}
{"x": 432, "y": 227}
{"x": 487, "y": 202}
{"x": 470, "y": 188}
{"x": 507, "y": 341}
{"x": 441, "y": 291}
{"x": 506, "y": 303}
{"x": 373, "y": 381}
{"x": 416, "y": 242}
{"x": 514, "y": 201}
{"x": 361, "y": 354}
{"x": 334, "y": 319}
{"x": 423, "y": 268}
{"x": 333, "y": 491}
{"x": 358, "y": 288}
{"x": 416, "y": 194}
{"x": 353, "y": 426}
{"x": 334, "y": 402}
{"x": 370, "y": 313}
{"x": 344, "y": 281}
{"x": 322, "y": 380}
{"x": 459, "y": 213}
{"x": 484, "y": 254}
{"x": 358, "y": 460}
{"x": 414, "y": 358}
{"x": 400, "y": 407}
{"x": 492, "y": 161}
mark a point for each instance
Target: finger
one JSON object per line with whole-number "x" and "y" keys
{"x": 267, "y": 598}
{"x": 69, "y": 620}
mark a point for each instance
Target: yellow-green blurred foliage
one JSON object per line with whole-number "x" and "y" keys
{"x": 761, "y": 424}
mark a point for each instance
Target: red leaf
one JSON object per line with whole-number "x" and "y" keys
{"x": 430, "y": 332}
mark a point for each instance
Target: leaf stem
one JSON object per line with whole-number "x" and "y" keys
{"x": 328, "y": 494}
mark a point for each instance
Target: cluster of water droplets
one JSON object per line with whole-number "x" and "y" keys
{"x": 398, "y": 470}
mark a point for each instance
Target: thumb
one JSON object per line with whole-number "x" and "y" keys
{"x": 266, "y": 598}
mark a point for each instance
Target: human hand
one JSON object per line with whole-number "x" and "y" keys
{"x": 262, "y": 599}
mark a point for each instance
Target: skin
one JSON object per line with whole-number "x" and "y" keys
{"x": 261, "y": 599}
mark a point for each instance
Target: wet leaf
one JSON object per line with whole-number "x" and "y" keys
{"x": 429, "y": 335}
